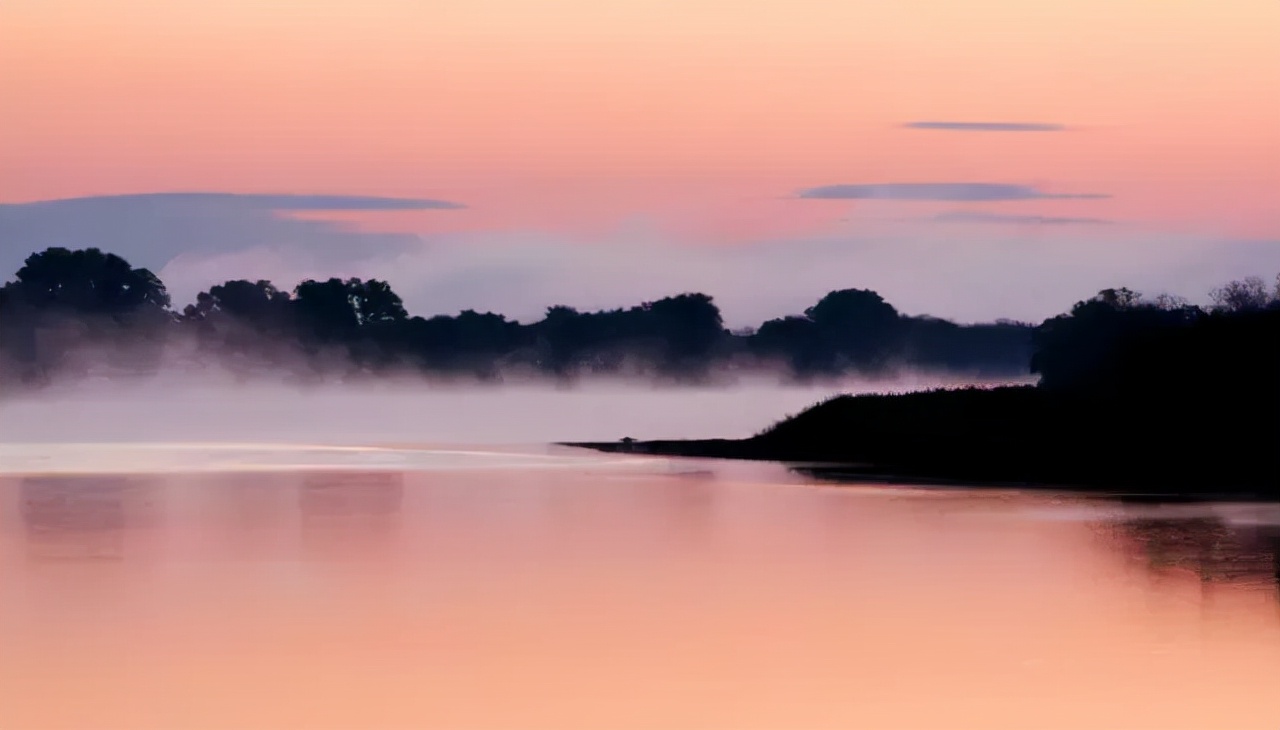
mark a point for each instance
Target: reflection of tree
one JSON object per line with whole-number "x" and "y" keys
{"x": 249, "y": 510}
{"x": 339, "y": 494}
{"x": 685, "y": 504}
{"x": 1274, "y": 539}
{"x": 84, "y": 517}
{"x": 1215, "y": 551}
{"x": 343, "y": 510}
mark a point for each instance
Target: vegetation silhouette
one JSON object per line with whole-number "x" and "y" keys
{"x": 1156, "y": 397}
{"x": 73, "y": 314}
{"x": 1149, "y": 395}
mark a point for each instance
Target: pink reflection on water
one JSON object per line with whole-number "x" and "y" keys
{"x": 588, "y": 598}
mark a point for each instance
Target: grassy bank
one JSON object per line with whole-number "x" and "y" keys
{"x": 1013, "y": 435}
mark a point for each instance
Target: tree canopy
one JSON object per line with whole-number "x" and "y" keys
{"x": 65, "y": 308}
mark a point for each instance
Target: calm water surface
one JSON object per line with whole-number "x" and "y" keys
{"x": 196, "y": 587}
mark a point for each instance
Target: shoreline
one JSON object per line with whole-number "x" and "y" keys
{"x": 853, "y": 473}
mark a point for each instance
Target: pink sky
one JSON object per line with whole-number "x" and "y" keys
{"x": 550, "y": 113}
{"x": 696, "y": 119}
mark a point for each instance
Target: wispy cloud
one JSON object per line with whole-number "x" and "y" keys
{"x": 153, "y": 228}
{"x": 987, "y": 126}
{"x": 977, "y": 216}
{"x": 948, "y": 192}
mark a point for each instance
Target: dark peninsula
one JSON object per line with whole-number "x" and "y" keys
{"x": 1143, "y": 397}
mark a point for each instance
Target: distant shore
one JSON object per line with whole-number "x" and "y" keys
{"x": 1020, "y": 437}
{"x": 864, "y": 473}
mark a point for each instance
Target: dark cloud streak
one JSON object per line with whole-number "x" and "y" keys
{"x": 947, "y": 192}
{"x": 152, "y": 229}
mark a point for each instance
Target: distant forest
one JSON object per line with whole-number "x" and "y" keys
{"x": 1151, "y": 397}
{"x": 79, "y": 313}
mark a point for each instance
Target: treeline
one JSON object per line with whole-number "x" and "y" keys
{"x": 77, "y": 313}
{"x": 1154, "y": 395}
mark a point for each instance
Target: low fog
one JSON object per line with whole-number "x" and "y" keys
{"x": 178, "y": 409}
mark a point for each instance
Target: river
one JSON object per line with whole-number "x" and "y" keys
{"x": 241, "y": 586}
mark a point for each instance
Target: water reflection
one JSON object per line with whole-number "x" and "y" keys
{"x": 1214, "y": 550}
{"x": 85, "y": 517}
{"x": 682, "y": 506}
{"x": 1275, "y": 558}
{"x": 345, "y": 514}
{"x": 246, "y": 516}
{"x": 470, "y": 598}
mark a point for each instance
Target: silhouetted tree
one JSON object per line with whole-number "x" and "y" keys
{"x": 799, "y": 342}
{"x": 563, "y": 334}
{"x": 82, "y": 310}
{"x": 253, "y": 302}
{"x": 246, "y": 326}
{"x": 470, "y": 343}
{"x": 1078, "y": 350}
{"x": 1214, "y": 376}
{"x": 846, "y": 329}
{"x": 334, "y": 307}
{"x": 1245, "y": 295}
{"x": 1122, "y": 298}
{"x": 87, "y": 281}
{"x": 64, "y": 302}
{"x": 1170, "y": 302}
{"x": 689, "y": 327}
{"x": 934, "y": 344}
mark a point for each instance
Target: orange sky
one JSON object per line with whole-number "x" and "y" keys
{"x": 571, "y": 113}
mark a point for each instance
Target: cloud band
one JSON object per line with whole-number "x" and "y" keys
{"x": 948, "y": 192}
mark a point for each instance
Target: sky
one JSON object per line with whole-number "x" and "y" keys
{"x": 966, "y": 158}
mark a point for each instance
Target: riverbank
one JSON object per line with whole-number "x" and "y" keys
{"x": 1011, "y": 436}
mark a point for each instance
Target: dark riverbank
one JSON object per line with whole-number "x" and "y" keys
{"x": 1013, "y": 436}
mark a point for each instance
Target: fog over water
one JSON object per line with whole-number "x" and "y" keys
{"x": 179, "y": 409}
{"x": 196, "y": 554}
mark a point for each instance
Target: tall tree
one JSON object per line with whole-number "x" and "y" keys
{"x": 87, "y": 281}
{"x": 858, "y": 325}
{"x": 336, "y": 307}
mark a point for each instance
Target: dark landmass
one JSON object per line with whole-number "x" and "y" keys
{"x": 1145, "y": 397}
{"x": 70, "y": 315}
{"x": 1003, "y": 437}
